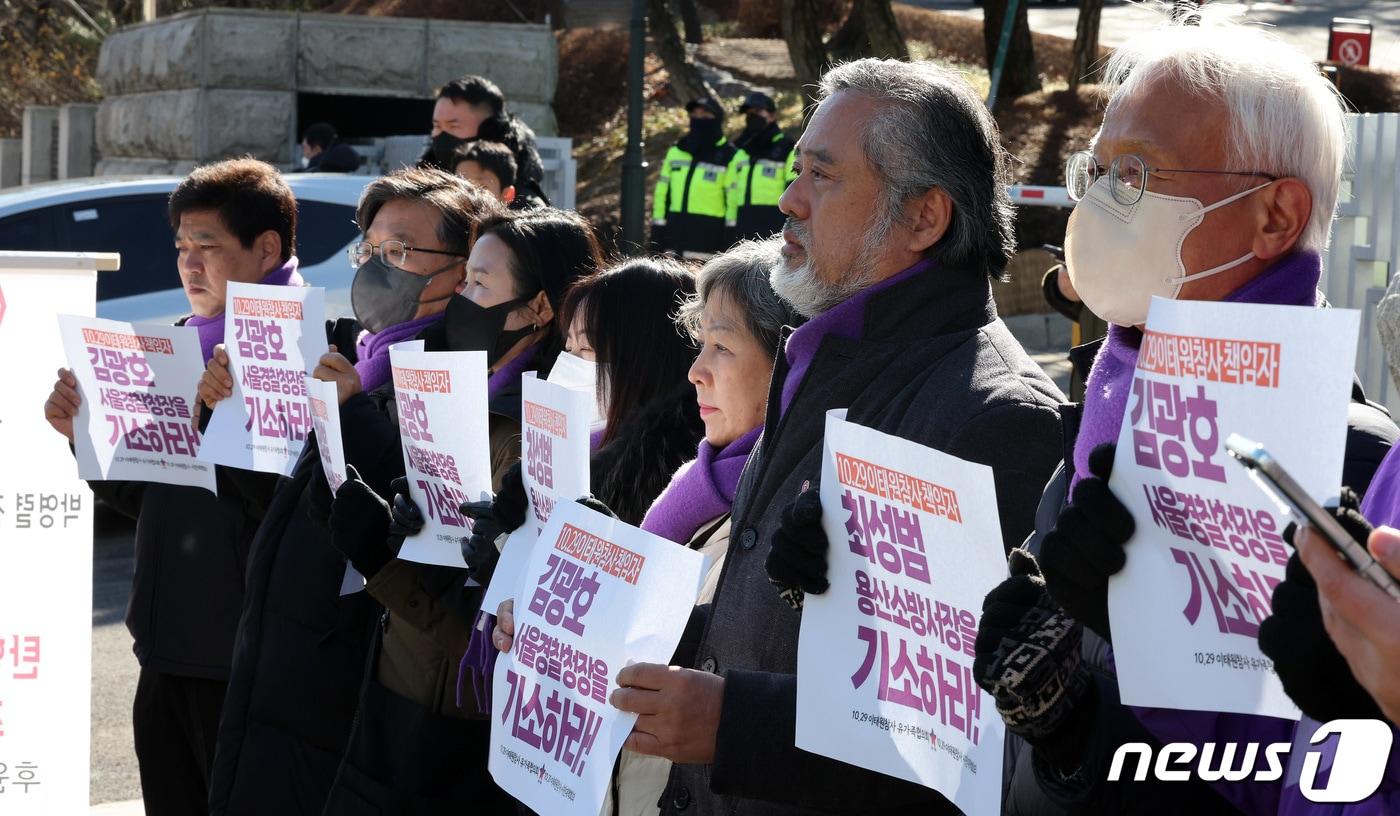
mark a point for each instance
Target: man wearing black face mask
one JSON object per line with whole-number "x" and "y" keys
{"x": 762, "y": 169}
{"x": 473, "y": 108}
{"x": 688, "y": 210}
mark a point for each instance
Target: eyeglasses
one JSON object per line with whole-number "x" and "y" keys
{"x": 1127, "y": 176}
{"x": 393, "y": 253}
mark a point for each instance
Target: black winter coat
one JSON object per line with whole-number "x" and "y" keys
{"x": 934, "y": 365}
{"x": 302, "y": 648}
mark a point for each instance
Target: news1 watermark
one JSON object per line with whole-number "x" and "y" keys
{"x": 1360, "y": 750}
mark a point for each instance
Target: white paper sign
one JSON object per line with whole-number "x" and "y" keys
{"x": 441, "y": 397}
{"x": 137, "y": 382}
{"x": 613, "y": 595}
{"x": 553, "y": 445}
{"x": 884, "y": 658}
{"x": 273, "y": 335}
{"x": 1201, "y": 567}
{"x": 45, "y": 549}
{"x": 324, "y": 403}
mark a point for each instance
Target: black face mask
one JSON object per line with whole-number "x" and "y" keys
{"x": 471, "y": 327}
{"x": 753, "y": 123}
{"x": 707, "y": 130}
{"x": 382, "y": 296}
{"x": 444, "y": 145}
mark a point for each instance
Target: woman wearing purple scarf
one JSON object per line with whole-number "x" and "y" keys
{"x": 413, "y": 742}
{"x": 1234, "y": 206}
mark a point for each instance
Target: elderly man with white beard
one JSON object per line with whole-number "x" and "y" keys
{"x": 897, "y": 225}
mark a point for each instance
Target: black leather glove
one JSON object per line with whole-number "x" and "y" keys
{"x": 797, "y": 559}
{"x": 1313, "y": 672}
{"x": 359, "y": 523}
{"x": 511, "y": 506}
{"x": 1086, "y": 547}
{"x": 479, "y": 548}
{"x": 405, "y": 517}
{"x": 1029, "y": 660}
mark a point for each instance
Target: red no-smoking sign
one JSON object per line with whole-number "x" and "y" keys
{"x": 1350, "y": 47}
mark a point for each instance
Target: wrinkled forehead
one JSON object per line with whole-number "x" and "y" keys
{"x": 835, "y": 134}
{"x": 1167, "y": 122}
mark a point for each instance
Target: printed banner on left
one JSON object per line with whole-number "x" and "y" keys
{"x": 45, "y": 549}
{"x": 138, "y": 382}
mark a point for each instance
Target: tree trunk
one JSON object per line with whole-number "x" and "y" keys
{"x": 1019, "y": 74}
{"x": 1086, "y": 42}
{"x": 804, "y": 40}
{"x": 690, "y": 18}
{"x": 686, "y": 82}
{"x": 882, "y": 29}
{"x": 850, "y": 40}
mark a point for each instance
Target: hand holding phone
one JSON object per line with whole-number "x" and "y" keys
{"x": 1270, "y": 475}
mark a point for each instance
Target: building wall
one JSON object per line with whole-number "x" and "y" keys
{"x": 208, "y": 84}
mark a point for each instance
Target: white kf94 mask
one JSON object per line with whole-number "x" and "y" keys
{"x": 1120, "y": 255}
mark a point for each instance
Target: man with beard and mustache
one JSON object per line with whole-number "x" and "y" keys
{"x": 688, "y": 210}
{"x": 762, "y": 169}
{"x": 897, "y": 225}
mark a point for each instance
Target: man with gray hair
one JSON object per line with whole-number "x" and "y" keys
{"x": 897, "y": 225}
{"x": 1213, "y": 178}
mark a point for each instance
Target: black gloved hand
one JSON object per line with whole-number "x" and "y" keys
{"x": 405, "y": 517}
{"x": 510, "y": 506}
{"x": 359, "y": 523}
{"x": 1029, "y": 660}
{"x": 797, "y": 559}
{"x": 1086, "y": 547}
{"x": 479, "y": 548}
{"x": 596, "y": 505}
{"x": 1313, "y": 672}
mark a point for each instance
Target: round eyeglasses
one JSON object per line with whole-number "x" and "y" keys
{"x": 393, "y": 253}
{"x": 1127, "y": 176}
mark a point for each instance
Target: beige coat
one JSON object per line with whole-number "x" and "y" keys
{"x": 641, "y": 778}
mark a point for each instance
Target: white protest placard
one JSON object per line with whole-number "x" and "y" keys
{"x": 599, "y": 595}
{"x": 273, "y": 335}
{"x": 1207, "y": 552}
{"x": 45, "y": 548}
{"x": 137, "y": 381}
{"x": 324, "y": 403}
{"x": 554, "y": 448}
{"x": 441, "y": 397}
{"x": 553, "y": 445}
{"x": 884, "y": 658}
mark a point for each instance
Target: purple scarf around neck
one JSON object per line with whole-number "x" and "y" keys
{"x": 211, "y": 329}
{"x": 1292, "y": 281}
{"x": 511, "y": 371}
{"x": 701, "y": 491}
{"x": 372, "y": 350}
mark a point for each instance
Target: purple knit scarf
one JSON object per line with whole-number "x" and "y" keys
{"x": 701, "y": 490}
{"x": 509, "y": 373}
{"x": 211, "y": 329}
{"x": 1292, "y": 281}
{"x": 372, "y": 350}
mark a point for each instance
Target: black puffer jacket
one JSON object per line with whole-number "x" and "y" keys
{"x": 630, "y": 471}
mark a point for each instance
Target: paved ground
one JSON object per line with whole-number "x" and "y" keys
{"x": 1302, "y": 22}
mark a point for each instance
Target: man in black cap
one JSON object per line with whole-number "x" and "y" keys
{"x": 689, "y": 209}
{"x": 760, "y": 172}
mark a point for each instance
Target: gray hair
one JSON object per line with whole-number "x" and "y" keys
{"x": 461, "y": 204}
{"x": 1285, "y": 117}
{"x": 741, "y": 274}
{"x": 932, "y": 131}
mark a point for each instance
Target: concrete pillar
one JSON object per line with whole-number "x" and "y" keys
{"x": 10, "y": 157}
{"x": 77, "y": 141}
{"x": 39, "y": 159}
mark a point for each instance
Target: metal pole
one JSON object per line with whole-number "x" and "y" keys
{"x": 1003, "y": 46}
{"x": 634, "y": 165}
